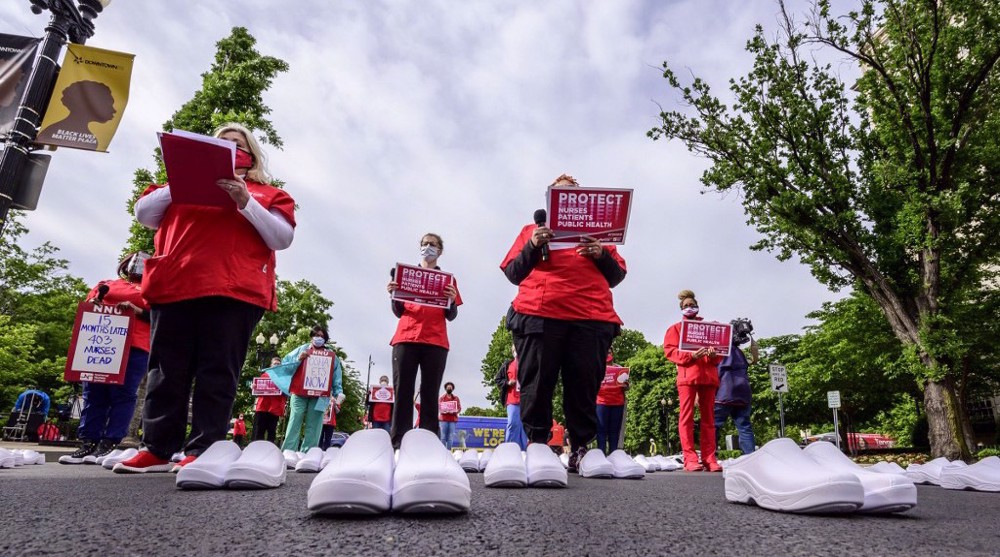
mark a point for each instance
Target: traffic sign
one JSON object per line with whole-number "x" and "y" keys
{"x": 779, "y": 378}
{"x": 833, "y": 399}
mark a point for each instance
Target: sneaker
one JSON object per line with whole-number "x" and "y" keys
{"x": 624, "y": 467}
{"x": 506, "y": 467}
{"x": 110, "y": 461}
{"x": 575, "y": 456}
{"x": 358, "y": 478}
{"x": 88, "y": 448}
{"x": 543, "y": 467}
{"x": 261, "y": 466}
{"x": 184, "y": 461}
{"x": 112, "y": 454}
{"x": 142, "y": 463}
{"x": 595, "y": 465}
{"x": 312, "y": 462}
{"x": 981, "y": 476}
{"x": 177, "y": 457}
{"x": 102, "y": 450}
{"x": 208, "y": 470}
{"x": 427, "y": 479}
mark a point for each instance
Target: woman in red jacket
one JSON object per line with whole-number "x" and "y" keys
{"x": 420, "y": 342}
{"x": 209, "y": 284}
{"x": 697, "y": 377}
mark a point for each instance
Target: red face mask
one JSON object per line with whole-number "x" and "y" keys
{"x": 243, "y": 159}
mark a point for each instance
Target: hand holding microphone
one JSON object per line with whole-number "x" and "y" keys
{"x": 541, "y": 236}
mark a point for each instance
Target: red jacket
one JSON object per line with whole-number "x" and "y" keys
{"x": 449, "y": 417}
{"x": 239, "y": 427}
{"x": 703, "y": 371}
{"x": 423, "y": 325}
{"x": 121, "y": 290}
{"x": 271, "y": 404}
{"x": 513, "y": 393}
{"x": 381, "y": 412}
{"x": 568, "y": 286}
{"x": 214, "y": 251}
{"x": 612, "y": 393}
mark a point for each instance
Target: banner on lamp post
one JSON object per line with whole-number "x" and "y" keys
{"x": 16, "y": 55}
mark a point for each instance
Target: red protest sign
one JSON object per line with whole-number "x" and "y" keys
{"x": 704, "y": 334}
{"x": 263, "y": 386}
{"x": 421, "y": 286}
{"x": 99, "y": 348}
{"x": 599, "y": 213}
{"x": 378, "y": 393}
{"x": 449, "y": 407}
{"x": 615, "y": 375}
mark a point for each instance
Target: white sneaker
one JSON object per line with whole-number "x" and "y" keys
{"x": 484, "y": 459}
{"x": 667, "y": 464}
{"x": 261, "y": 466}
{"x": 328, "y": 456}
{"x": 595, "y": 465}
{"x": 6, "y": 458}
{"x": 887, "y": 468}
{"x": 100, "y": 460}
{"x": 312, "y": 462}
{"x": 780, "y": 477}
{"x": 109, "y": 463}
{"x": 506, "y": 467}
{"x": 358, "y": 479}
{"x": 646, "y": 464}
{"x": 884, "y": 493}
{"x": 623, "y": 466}
{"x": 457, "y": 453}
{"x": 981, "y": 476}
{"x": 544, "y": 468}
{"x": 291, "y": 459}
{"x": 470, "y": 461}
{"x": 208, "y": 471}
{"x": 427, "y": 479}
{"x": 177, "y": 457}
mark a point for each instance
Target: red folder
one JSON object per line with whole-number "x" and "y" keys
{"x": 193, "y": 165}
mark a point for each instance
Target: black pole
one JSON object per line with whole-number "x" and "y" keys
{"x": 66, "y": 22}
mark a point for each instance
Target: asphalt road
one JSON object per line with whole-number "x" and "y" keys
{"x": 86, "y": 510}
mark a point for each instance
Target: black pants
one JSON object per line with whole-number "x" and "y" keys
{"x": 326, "y": 436}
{"x": 265, "y": 427}
{"x": 406, "y": 358}
{"x": 547, "y": 348}
{"x": 201, "y": 342}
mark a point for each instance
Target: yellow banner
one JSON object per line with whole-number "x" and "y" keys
{"x": 88, "y": 100}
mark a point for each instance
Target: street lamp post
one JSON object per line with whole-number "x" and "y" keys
{"x": 71, "y": 22}
{"x": 665, "y": 403}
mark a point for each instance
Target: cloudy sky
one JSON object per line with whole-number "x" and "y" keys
{"x": 401, "y": 118}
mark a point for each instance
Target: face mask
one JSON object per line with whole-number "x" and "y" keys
{"x": 690, "y": 311}
{"x": 428, "y": 253}
{"x": 243, "y": 159}
{"x": 384, "y": 383}
{"x": 318, "y": 341}
{"x": 448, "y": 391}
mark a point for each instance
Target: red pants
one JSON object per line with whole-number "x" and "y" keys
{"x": 685, "y": 424}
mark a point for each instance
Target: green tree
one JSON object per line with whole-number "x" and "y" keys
{"x": 498, "y": 352}
{"x": 653, "y": 379}
{"x": 487, "y": 412}
{"x": 893, "y": 193}
{"x": 628, "y": 344}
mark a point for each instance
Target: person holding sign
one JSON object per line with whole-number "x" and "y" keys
{"x": 611, "y": 406}
{"x": 318, "y": 377}
{"x": 563, "y": 320}
{"x": 451, "y": 407}
{"x": 734, "y": 394}
{"x": 697, "y": 377}
{"x": 510, "y": 396}
{"x": 209, "y": 283}
{"x": 267, "y": 410}
{"x": 380, "y": 413}
{"x": 107, "y": 408}
{"x": 420, "y": 342}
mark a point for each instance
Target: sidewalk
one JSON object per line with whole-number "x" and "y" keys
{"x": 48, "y": 449}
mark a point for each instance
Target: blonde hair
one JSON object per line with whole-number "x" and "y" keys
{"x": 566, "y": 177}
{"x": 257, "y": 172}
{"x": 684, "y": 295}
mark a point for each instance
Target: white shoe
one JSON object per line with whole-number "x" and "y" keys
{"x": 358, "y": 479}
{"x": 470, "y": 461}
{"x": 484, "y": 459}
{"x": 624, "y": 467}
{"x": 291, "y": 459}
{"x": 564, "y": 459}
{"x": 109, "y": 463}
{"x": 312, "y": 462}
{"x": 981, "y": 476}
{"x": 427, "y": 479}
{"x": 544, "y": 468}
{"x": 18, "y": 458}
{"x": 457, "y": 453}
{"x": 884, "y": 493}
{"x": 328, "y": 456}
{"x": 595, "y": 465}
{"x": 92, "y": 459}
{"x": 930, "y": 472}
{"x": 100, "y": 460}
{"x": 668, "y": 464}
{"x": 208, "y": 471}
{"x": 506, "y": 467}
{"x": 780, "y": 477}
{"x": 646, "y": 464}
{"x": 177, "y": 457}
{"x": 6, "y": 458}
{"x": 887, "y": 468}
{"x": 655, "y": 459}
{"x": 32, "y": 457}
{"x": 261, "y": 466}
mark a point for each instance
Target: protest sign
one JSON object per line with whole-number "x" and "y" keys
{"x": 318, "y": 377}
{"x": 615, "y": 375}
{"x": 696, "y": 335}
{"x": 99, "y": 347}
{"x": 378, "y": 393}
{"x": 448, "y": 406}
{"x": 598, "y": 213}
{"x": 263, "y": 386}
{"x": 421, "y": 286}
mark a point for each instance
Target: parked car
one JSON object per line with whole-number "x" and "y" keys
{"x": 857, "y": 441}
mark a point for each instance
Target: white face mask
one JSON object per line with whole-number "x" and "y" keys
{"x": 429, "y": 253}
{"x": 318, "y": 341}
{"x": 385, "y": 383}
{"x": 690, "y": 311}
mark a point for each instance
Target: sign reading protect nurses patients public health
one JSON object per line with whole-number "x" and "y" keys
{"x": 98, "y": 351}
{"x": 421, "y": 286}
{"x": 696, "y": 335}
{"x": 598, "y": 213}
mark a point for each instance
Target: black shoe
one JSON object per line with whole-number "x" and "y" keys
{"x": 575, "y": 457}
{"x": 86, "y": 449}
{"x": 103, "y": 449}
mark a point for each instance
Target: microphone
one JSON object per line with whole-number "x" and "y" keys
{"x": 102, "y": 291}
{"x": 540, "y": 217}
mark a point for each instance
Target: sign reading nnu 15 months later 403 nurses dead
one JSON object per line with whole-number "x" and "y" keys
{"x": 421, "y": 286}
{"x": 599, "y": 213}
{"x": 696, "y": 335}
{"x": 98, "y": 351}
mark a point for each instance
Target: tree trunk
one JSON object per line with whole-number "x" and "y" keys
{"x": 945, "y": 421}
{"x": 133, "y": 439}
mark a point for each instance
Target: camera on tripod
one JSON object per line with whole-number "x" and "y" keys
{"x": 742, "y": 330}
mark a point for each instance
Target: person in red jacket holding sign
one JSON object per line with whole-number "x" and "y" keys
{"x": 421, "y": 341}
{"x": 380, "y": 413}
{"x": 451, "y": 407}
{"x": 697, "y": 377}
{"x": 107, "y": 409}
{"x": 266, "y": 413}
{"x": 209, "y": 283}
{"x": 611, "y": 407}
{"x": 563, "y": 320}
